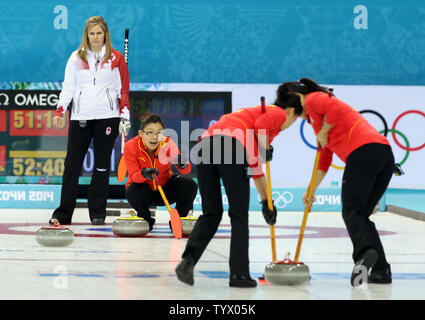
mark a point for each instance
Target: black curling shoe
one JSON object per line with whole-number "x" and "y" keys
{"x": 380, "y": 276}
{"x": 242, "y": 281}
{"x": 364, "y": 264}
{"x": 98, "y": 222}
{"x": 184, "y": 271}
{"x": 151, "y": 222}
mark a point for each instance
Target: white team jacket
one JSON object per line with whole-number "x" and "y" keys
{"x": 97, "y": 89}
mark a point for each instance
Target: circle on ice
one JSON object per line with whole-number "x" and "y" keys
{"x": 82, "y": 229}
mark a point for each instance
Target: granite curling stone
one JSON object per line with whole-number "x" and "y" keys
{"x": 132, "y": 226}
{"x": 286, "y": 272}
{"x": 188, "y": 223}
{"x": 54, "y": 236}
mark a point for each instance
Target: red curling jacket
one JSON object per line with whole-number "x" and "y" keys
{"x": 351, "y": 129}
{"x": 136, "y": 158}
{"x": 244, "y": 123}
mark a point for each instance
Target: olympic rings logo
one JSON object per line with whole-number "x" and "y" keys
{"x": 406, "y": 147}
{"x": 281, "y": 200}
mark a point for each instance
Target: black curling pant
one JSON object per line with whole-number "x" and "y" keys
{"x": 104, "y": 132}
{"x": 367, "y": 174}
{"x": 236, "y": 185}
{"x": 179, "y": 190}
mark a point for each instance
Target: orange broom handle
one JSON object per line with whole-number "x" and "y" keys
{"x": 164, "y": 198}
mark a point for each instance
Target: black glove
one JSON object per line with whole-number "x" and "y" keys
{"x": 148, "y": 173}
{"x": 269, "y": 154}
{"x": 181, "y": 161}
{"x": 269, "y": 216}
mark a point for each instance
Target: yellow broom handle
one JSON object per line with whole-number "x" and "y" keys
{"x": 269, "y": 192}
{"x": 307, "y": 207}
{"x": 269, "y": 187}
{"x": 270, "y": 204}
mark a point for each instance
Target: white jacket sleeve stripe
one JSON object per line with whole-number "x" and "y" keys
{"x": 69, "y": 84}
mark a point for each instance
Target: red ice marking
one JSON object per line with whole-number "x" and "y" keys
{"x": 315, "y": 232}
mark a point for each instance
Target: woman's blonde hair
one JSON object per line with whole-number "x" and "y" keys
{"x": 84, "y": 46}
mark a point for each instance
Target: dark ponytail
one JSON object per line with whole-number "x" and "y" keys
{"x": 287, "y": 93}
{"x": 294, "y": 86}
{"x": 303, "y": 86}
{"x": 312, "y": 86}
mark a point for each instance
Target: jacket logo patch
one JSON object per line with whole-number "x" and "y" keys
{"x": 108, "y": 131}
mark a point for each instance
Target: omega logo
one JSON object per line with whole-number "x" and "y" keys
{"x": 4, "y": 101}
{"x": 38, "y": 99}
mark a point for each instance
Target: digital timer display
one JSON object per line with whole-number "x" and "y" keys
{"x": 35, "y": 123}
{"x": 30, "y": 146}
{"x": 37, "y": 163}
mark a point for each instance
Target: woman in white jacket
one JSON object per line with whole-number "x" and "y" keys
{"x": 97, "y": 83}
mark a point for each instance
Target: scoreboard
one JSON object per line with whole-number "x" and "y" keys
{"x": 32, "y": 150}
{"x": 30, "y": 146}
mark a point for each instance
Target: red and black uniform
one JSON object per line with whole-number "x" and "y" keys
{"x": 225, "y": 151}
{"x": 143, "y": 193}
{"x": 368, "y": 170}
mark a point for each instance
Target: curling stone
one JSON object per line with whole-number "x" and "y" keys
{"x": 132, "y": 226}
{"x": 286, "y": 272}
{"x": 188, "y": 223}
{"x": 54, "y": 236}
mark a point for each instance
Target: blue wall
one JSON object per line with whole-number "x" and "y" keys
{"x": 227, "y": 41}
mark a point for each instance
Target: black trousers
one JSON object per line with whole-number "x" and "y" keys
{"x": 236, "y": 185}
{"x": 179, "y": 190}
{"x": 367, "y": 174}
{"x": 104, "y": 132}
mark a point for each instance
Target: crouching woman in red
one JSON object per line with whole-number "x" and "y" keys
{"x": 151, "y": 153}
{"x": 369, "y": 166}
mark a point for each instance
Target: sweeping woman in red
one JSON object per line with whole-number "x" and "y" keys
{"x": 226, "y": 151}
{"x": 369, "y": 166}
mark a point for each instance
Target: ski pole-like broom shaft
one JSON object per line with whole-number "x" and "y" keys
{"x": 122, "y": 167}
